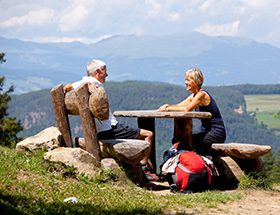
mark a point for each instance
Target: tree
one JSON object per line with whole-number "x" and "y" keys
{"x": 9, "y": 127}
{"x": 277, "y": 116}
{"x": 2, "y": 60}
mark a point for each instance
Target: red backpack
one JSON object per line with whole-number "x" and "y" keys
{"x": 191, "y": 173}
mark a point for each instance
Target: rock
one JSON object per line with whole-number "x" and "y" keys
{"x": 241, "y": 150}
{"x": 50, "y": 138}
{"x": 71, "y": 199}
{"x": 251, "y": 165}
{"x": 81, "y": 160}
{"x": 130, "y": 151}
{"x": 98, "y": 104}
{"x": 229, "y": 171}
{"x": 109, "y": 163}
{"x": 134, "y": 172}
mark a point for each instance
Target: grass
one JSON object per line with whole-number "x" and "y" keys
{"x": 265, "y": 108}
{"x": 31, "y": 185}
{"x": 255, "y": 180}
{"x": 268, "y": 118}
{"x": 267, "y": 102}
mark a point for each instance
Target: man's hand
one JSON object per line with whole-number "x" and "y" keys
{"x": 68, "y": 87}
{"x": 92, "y": 87}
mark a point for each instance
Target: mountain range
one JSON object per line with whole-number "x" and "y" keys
{"x": 223, "y": 60}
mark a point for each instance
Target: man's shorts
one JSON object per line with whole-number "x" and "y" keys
{"x": 119, "y": 131}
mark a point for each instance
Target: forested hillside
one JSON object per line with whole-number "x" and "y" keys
{"x": 250, "y": 89}
{"x": 35, "y": 110}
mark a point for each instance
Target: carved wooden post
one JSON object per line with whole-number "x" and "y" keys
{"x": 88, "y": 123}
{"x": 61, "y": 115}
{"x": 183, "y": 130}
{"x": 149, "y": 124}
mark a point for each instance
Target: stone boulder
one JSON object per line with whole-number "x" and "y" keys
{"x": 109, "y": 164}
{"x": 241, "y": 150}
{"x": 229, "y": 171}
{"x": 132, "y": 171}
{"x": 130, "y": 151}
{"x": 50, "y": 138}
{"x": 81, "y": 160}
{"x": 250, "y": 165}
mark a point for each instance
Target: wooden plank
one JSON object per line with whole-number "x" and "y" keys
{"x": 166, "y": 114}
{"x": 88, "y": 123}
{"x": 61, "y": 115}
{"x": 149, "y": 124}
{"x": 183, "y": 131}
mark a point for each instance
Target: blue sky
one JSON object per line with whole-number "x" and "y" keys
{"x": 89, "y": 21}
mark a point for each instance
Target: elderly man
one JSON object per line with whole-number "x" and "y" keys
{"x": 111, "y": 129}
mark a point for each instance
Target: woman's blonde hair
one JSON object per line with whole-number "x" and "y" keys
{"x": 196, "y": 75}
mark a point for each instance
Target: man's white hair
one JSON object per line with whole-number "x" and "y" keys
{"x": 94, "y": 65}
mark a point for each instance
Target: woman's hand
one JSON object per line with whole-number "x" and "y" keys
{"x": 163, "y": 108}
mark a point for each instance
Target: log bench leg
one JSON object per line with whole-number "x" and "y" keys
{"x": 61, "y": 116}
{"x": 149, "y": 124}
{"x": 183, "y": 131}
{"x": 88, "y": 123}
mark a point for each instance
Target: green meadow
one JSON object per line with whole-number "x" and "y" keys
{"x": 265, "y": 107}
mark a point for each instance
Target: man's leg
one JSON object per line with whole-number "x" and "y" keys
{"x": 147, "y": 136}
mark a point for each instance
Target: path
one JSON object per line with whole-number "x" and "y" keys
{"x": 255, "y": 202}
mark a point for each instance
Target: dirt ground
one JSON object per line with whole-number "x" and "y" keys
{"x": 254, "y": 202}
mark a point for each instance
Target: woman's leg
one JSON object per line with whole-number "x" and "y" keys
{"x": 203, "y": 141}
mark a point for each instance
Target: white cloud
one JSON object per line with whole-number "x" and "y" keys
{"x": 258, "y": 3}
{"x": 155, "y": 7}
{"x": 230, "y": 29}
{"x": 204, "y": 6}
{"x": 87, "y": 40}
{"x": 73, "y": 19}
{"x": 82, "y": 20}
{"x": 33, "y": 18}
{"x": 174, "y": 16}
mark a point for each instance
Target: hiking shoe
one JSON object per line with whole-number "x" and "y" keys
{"x": 150, "y": 176}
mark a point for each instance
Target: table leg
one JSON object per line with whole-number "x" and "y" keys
{"x": 149, "y": 124}
{"x": 183, "y": 131}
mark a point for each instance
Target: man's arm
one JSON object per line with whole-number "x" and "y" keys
{"x": 91, "y": 87}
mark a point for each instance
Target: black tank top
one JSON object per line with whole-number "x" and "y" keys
{"x": 215, "y": 124}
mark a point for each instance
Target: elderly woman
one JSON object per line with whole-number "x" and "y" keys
{"x": 212, "y": 130}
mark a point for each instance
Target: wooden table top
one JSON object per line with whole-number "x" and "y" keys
{"x": 165, "y": 114}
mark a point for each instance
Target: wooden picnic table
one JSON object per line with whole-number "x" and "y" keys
{"x": 183, "y": 124}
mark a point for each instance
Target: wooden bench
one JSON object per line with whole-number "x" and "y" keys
{"x": 79, "y": 102}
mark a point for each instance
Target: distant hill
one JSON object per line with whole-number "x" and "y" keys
{"x": 224, "y": 60}
{"x": 35, "y": 110}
